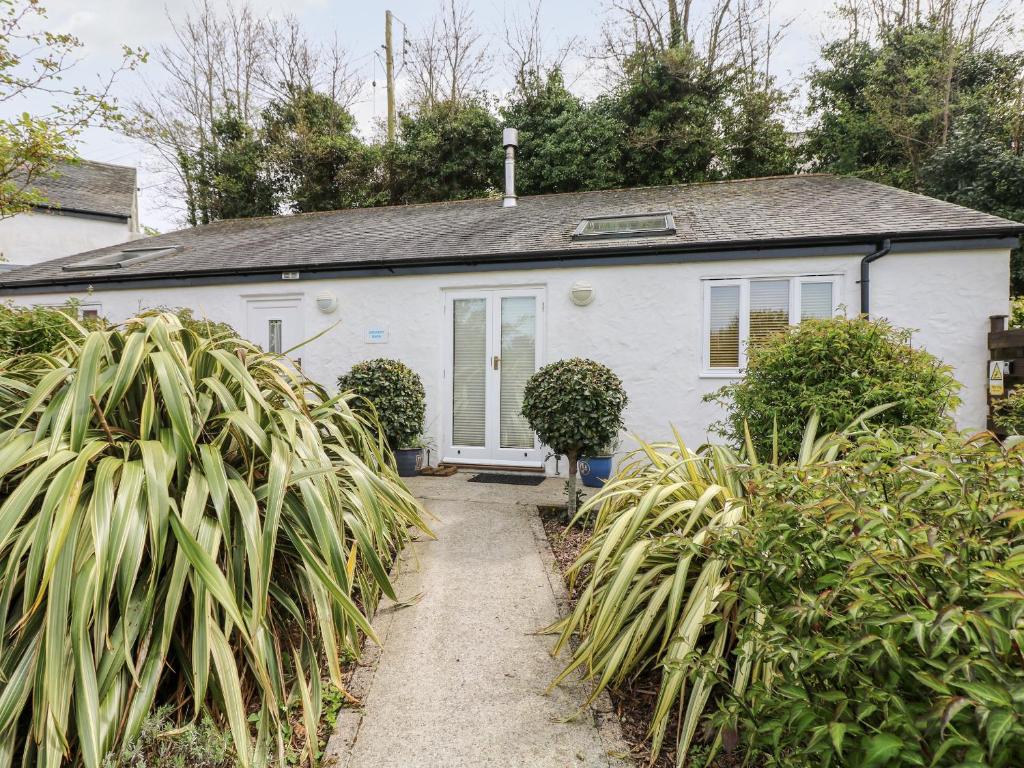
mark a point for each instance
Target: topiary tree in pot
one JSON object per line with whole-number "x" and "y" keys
{"x": 396, "y": 393}
{"x": 575, "y": 407}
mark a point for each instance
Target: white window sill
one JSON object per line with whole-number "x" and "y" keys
{"x": 730, "y": 373}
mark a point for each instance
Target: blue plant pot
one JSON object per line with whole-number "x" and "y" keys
{"x": 595, "y": 470}
{"x": 407, "y": 459}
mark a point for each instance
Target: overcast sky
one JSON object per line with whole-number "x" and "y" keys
{"x": 104, "y": 25}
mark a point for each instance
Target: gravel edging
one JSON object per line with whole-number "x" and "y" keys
{"x": 607, "y": 722}
{"x": 338, "y": 751}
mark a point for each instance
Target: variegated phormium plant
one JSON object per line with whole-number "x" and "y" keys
{"x": 653, "y": 589}
{"x": 184, "y": 520}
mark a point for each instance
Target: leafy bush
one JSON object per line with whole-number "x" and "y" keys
{"x": 1008, "y": 412}
{"x": 653, "y": 595}
{"x": 186, "y": 521}
{"x": 396, "y": 395}
{"x": 575, "y": 407}
{"x": 838, "y": 368}
{"x": 24, "y": 330}
{"x": 885, "y": 594}
{"x": 162, "y": 745}
{"x": 200, "y": 326}
{"x": 1017, "y": 312}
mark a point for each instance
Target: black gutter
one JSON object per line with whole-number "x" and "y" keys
{"x": 865, "y": 273}
{"x": 82, "y": 214}
{"x": 508, "y": 259}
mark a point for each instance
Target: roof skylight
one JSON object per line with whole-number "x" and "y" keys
{"x": 634, "y": 225}
{"x": 121, "y": 259}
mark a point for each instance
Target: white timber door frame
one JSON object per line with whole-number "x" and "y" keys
{"x": 490, "y": 333}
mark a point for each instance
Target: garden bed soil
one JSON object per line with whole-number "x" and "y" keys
{"x": 633, "y": 703}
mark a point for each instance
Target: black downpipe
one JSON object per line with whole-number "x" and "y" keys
{"x": 865, "y": 273}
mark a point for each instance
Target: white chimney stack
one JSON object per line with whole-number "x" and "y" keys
{"x": 510, "y": 140}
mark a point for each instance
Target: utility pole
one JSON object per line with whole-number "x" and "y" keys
{"x": 389, "y": 64}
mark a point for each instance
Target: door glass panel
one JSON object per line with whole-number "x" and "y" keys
{"x": 769, "y": 309}
{"x": 815, "y": 300}
{"x": 518, "y": 363}
{"x": 274, "y": 337}
{"x": 469, "y": 372}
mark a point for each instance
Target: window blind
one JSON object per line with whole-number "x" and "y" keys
{"x": 815, "y": 300}
{"x": 469, "y": 372}
{"x": 724, "y": 344}
{"x": 518, "y": 363}
{"x": 769, "y": 309}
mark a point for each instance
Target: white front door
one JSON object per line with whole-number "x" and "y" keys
{"x": 275, "y": 323}
{"x": 495, "y": 345}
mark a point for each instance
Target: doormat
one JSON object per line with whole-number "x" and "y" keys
{"x": 507, "y": 478}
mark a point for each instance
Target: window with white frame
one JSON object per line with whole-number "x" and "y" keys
{"x": 744, "y": 312}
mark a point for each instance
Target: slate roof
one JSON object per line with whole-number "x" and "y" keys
{"x": 90, "y": 187}
{"x": 792, "y": 210}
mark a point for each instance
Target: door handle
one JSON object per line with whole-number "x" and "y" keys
{"x": 496, "y": 362}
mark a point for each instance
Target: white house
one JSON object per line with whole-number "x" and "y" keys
{"x": 661, "y": 284}
{"x": 88, "y": 205}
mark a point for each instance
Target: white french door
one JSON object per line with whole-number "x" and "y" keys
{"x": 495, "y": 345}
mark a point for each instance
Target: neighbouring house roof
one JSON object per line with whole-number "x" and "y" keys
{"x": 757, "y": 213}
{"x": 89, "y": 187}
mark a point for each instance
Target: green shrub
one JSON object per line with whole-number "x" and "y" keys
{"x": 185, "y": 521}
{"x": 396, "y": 393}
{"x": 838, "y": 368}
{"x": 160, "y": 744}
{"x": 200, "y": 326}
{"x": 884, "y": 594}
{"x": 1008, "y": 412}
{"x": 24, "y": 330}
{"x": 652, "y": 591}
{"x": 575, "y": 407}
{"x": 1017, "y": 312}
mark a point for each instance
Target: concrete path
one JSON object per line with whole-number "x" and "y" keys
{"x": 461, "y": 676}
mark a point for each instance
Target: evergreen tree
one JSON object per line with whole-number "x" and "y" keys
{"x": 755, "y": 138}
{"x": 228, "y": 174}
{"x": 882, "y": 110}
{"x": 671, "y": 103}
{"x": 450, "y": 150}
{"x": 566, "y": 145}
{"x": 319, "y": 163}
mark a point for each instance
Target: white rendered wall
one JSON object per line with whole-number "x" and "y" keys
{"x": 645, "y": 322}
{"x": 948, "y": 297}
{"x": 36, "y": 236}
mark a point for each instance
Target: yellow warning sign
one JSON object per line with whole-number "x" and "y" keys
{"x": 995, "y": 379}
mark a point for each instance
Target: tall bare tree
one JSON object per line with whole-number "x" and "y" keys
{"x": 721, "y": 34}
{"x": 529, "y": 57}
{"x": 226, "y": 57}
{"x": 450, "y": 59}
{"x": 969, "y": 22}
{"x": 295, "y": 63}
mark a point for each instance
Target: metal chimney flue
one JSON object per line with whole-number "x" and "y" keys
{"x": 510, "y": 140}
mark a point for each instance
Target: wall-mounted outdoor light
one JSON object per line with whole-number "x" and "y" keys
{"x": 326, "y": 302}
{"x": 581, "y": 293}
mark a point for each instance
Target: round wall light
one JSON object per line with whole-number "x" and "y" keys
{"x": 326, "y": 302}
{"x": 581, "y": 293}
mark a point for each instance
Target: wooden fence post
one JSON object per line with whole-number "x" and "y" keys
{"x": 1004, "y": 345}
